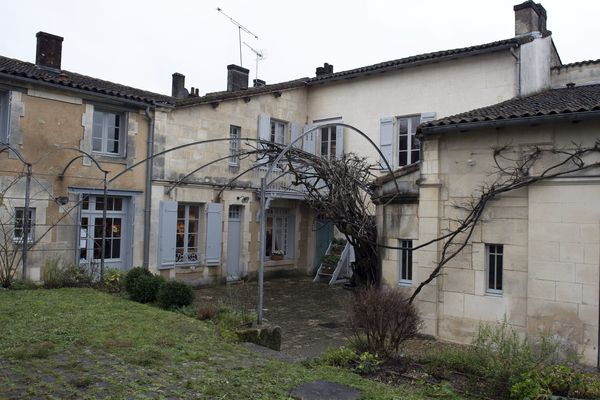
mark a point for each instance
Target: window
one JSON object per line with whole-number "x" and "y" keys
{"x": 409, "y": 147}
{"x": 328, "y": 142}
{"x": 20, "y": 224}
{"x": 279, "y": 232}
{"x": 108, "y": 133}
{"x": 277, "y": 132}
{"x": 494, "y": 255}
{"x": 4, "y": 113}
{"x": 186, "y": 242}
{"x": 406, "y": 268}
{"x": 234, "y": 145}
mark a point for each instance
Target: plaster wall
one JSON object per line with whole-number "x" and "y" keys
{"x": 536, "y": 60}
{"x": 579, "y": 74}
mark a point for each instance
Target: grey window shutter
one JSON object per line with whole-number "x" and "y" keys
{"x": 167, "y": 234}
{"x": 309, "y": 140}
{"x": 427, "y": 117}
{"x": 291, "y": 240}
{"x": 339, "y": 141}
{"x": 296, "y": 131}
{"x": 214, "y": 232}
{"x": 264, "y": 127}
{"x": 386, "y": 141}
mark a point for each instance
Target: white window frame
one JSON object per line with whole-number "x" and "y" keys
{"x": 105, "y": 113}
{"x": 405, "y": 271}
{"x": 235, "y": 133}
{"x": 412, "y": 121}
{"x": 273, "y": 135}
{"x": 279, "y": 217}
{"x": 496, "y": 251}
{"x": 186, "y": 259}
{"x": 19, "y": 225}
{"x": 331, "y": 137}
{"x": 4, "y": 116}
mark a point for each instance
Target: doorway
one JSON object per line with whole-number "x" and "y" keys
{"x": 234, "y": 242}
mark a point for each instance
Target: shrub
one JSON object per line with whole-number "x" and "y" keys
{"x": 558, "y": 380}
{"x": 22, "y": 284}
{"x": 384, "y": 318}
{"x": 55, "y": 275}
{"x": 206, "y": 311}
{"x": 114, "y": 280}
{"x": 175, "y": 294}
{"x": 345, "y": 357}
{"x": 142, "y": 287}
{"x": 132, "y": 276}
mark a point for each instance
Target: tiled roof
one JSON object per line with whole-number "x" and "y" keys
{"x": 576, "y": 64}
{"x": 69, "y": 79}
{"x": 251, "y": 91}
{"x": 422, "y": 59}
{"x": 550, "y": 102}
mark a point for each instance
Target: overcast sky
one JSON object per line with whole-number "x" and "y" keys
{"x": 141, "y": 43}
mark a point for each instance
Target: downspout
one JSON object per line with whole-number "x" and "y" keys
{"x": 518, "y": 80}
{"x": 148, "y": 188}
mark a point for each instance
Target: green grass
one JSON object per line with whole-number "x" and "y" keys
{"x": 81, "y": 343}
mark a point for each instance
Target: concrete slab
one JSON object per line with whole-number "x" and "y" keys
{"x": 319, "y": 390}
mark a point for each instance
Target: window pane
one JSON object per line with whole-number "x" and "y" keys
{"x": 403, "y": 126}
{"x": 491, "y": 270}
{"x": 414, "y": 156}
{"x": 97, "y": 144}
{"x": 403, "y": 158}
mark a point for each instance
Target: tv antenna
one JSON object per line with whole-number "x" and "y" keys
{"x": 260, "y": 55}
{"x": 240, "y": 29}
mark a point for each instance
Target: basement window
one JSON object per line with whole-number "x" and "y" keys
{"x": 494, "y": 268}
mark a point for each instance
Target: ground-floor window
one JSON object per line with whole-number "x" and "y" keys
{"x": 279, "y": 233}
{"x": 406, "y": 267}
{"x": 91, "y": 226}
{"x": 494, "y": 267}
{"x": 21, "y": 222}
{"x": 187, "y": 248}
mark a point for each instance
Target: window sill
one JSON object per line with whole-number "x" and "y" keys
{"x": 105, "y": 158}
{"x": 493, "y": 294}
{"x": 405, "y": 284}
{"x": 278, "y": 263}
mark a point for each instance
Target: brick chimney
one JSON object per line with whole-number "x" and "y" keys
{"x": 530, "y": 17}
{"x": 237, "y": 78}
{"x": 326, "y": 69}
{"x": 178, "y": 89}
{"x": 49, "y": 50}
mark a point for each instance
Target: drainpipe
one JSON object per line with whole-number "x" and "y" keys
{"x": 148, "y": 188}
{"x": 518, "y": 80}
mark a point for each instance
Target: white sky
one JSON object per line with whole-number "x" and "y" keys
{"x": 141, "y": 43}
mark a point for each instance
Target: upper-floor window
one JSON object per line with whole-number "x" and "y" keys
{"x": 328, "y": 142}
{"x": 21, "y": 222}
{"x": 234, "y": 145}
{"x": 494, "y": 267}
{"x": 409, "y": 147}
{"x": 278, "y": 131}
{"x": 4, "y": 113}
{"x": 108, "y": 133}
{"x": 406, "y": 267}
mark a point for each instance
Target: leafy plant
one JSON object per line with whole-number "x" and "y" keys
{"x": 132, "y": 276}
{"x": 342, "y": 357}
{"x": 384, "y": 318}
{"x": 114, "y": 280}
{"x": 56, "y": 275}
{"x": 175, "y": 294}
{"x": 141, "y": 285}
{"x": 23, "y": 284}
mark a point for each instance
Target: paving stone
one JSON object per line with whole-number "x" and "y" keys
{"x": 318, "y": 390}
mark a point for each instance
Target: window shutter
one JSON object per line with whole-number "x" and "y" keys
{"x": 339, "y": 141}
{"x": 167, "y": 234}
{"x": 264, "y": 127}
{"x": 214, "y": 232}
{"x": 296, "y": 131}
{"x": 308, "y": 144}
{"x": 386, "y": 141}
{"x": 427, "y": 117}
{"x": 291, "y": 231}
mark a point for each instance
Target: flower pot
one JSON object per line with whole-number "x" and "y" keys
{"x": 276, "y": 257}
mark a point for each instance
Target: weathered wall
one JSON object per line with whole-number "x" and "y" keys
{"x": 584, "y": 73}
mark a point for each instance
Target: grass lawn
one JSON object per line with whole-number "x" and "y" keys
{"x": 82, "y": 343}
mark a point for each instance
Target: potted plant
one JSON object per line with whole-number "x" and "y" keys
{"x": 277, "y": 255}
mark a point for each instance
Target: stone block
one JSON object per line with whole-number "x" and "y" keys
{"x": 586, "y": 273}
{"x": 318, "y": 390}
{"x": 571, "y": 252}
{"x": 544, "y": 251}
{"x": 568, "y": 292}
{"x": 588, "y": 314}
{"x": 454, "y": 304}
{"x": 552, "y": 311}
{"x": 539, "y": 289}
{"x": 485, "y": 308}
{"x": 553, "y": 271}
{"x": 517, "y": 312}
{"x": 591, "y": 253}
{"x": 459, "y": 280}
{"x": 590, "y": 294}
{"x": 590, "y": 233}
{"x": 266, "y": 336}
{"x": 515, "y": 283}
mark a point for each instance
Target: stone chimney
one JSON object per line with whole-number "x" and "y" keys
{"x": 49, "y": 50}
{"x": 326, "y": 69}
{"x": 529, "y": 17}
{"x": 178, "y": 89}
{"x": 237, "y": 78}
{"x": 258, "y": 82}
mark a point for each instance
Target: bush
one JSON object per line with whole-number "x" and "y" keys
{"x": 114, "y": 280}
{"x": 206, "y": 311}
{"x": 175, "y": 294}
{"x": 55, "y": 275}
{"x": 141, "y": 285}
{"x": 384, "y": 319}
{"x": 345, "y": 357}
{"x": 23, "y": 284}
{"x": 558, "y": 380}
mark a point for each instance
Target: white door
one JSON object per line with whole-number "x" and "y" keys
{"x": 233, "y": 243}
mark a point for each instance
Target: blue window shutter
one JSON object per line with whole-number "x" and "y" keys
{"x": 296, "y": 131}
{"x": 167, "y": 234}
{"x": 264, "y": 127}
{"x": 386, "y": 141}
{"x": 308, "y": 144}
{"x": 339, "y": 141}
{"x": 214, "y": 231}
{"x": 291, "y": 231}
{"x": 427, "y": 117}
